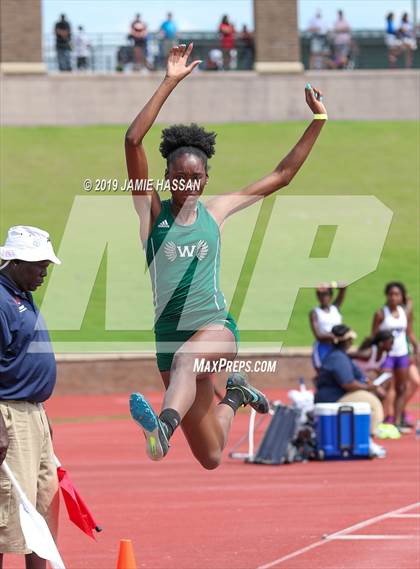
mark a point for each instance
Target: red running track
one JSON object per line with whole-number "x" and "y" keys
{"x": 240, "y": 516}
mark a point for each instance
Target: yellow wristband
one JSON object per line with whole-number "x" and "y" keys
{"x": 322, "y": 117}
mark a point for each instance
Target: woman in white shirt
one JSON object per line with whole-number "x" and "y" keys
{"x": 393, "y": 317}
{"x": 323, "y": 318}
{"x": 318, "y": 46}
{"x": 408, "y": 39}
{"x": 342, "y": 41}
{"x": 413, "y": 370}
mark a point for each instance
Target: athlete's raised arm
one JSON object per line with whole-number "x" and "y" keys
{"x": 147, "y": 201}
{"x": 224, "y": 205}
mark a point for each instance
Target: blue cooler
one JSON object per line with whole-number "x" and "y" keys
{"x": 342, "y": 430}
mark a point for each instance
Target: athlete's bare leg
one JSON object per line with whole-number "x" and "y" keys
{"x": 413, "y": 382}
{"x": 212, "y": 343}
{"x": 401, "y": 380}
{"x": 189, "y": 400}
{"x": 206, "y": 425}
{"x": 389, "y": 401}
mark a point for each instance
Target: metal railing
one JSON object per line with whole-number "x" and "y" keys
{"x": 114, "y": 52}
{"x": 111, "y": 52}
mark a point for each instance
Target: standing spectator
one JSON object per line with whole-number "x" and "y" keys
{"x": 27, "y": 379}
{"x": 138, "y": 34}
{"x": 62, "y": 32}
{"x": 168, "y": 32}
{"x": 82, "y": 48}
{"x": 318, "y": 44}
{"x": 393, "y": 317}
{"x": 247, "y": 39}
{"x": 408, "y": 39}
{"x": 323, "y": 318}
{"x": 413, "y": 370}
{"x": 392, "y": 41}
{"x": 342, "y": 41}
{"x": 227, "y": 40}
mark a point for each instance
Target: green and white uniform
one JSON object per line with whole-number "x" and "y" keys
{"x": 184, "y": 264}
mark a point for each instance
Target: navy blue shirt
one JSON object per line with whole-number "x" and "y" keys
{"x": 337, "y": 370}
{"x": 27, "y": 362}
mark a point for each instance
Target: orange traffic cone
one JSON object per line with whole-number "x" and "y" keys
{"x": 126, "y": 559}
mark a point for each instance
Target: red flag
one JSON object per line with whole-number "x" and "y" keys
{"x": 77, "y": 510}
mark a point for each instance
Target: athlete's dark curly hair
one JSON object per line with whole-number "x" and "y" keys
{"x": 381, "y": 336}
{"x": 181, "y": 138}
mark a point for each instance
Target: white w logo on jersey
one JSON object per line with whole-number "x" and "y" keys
{"x": 186, "y": 250}
{"x": 199, "y": 250}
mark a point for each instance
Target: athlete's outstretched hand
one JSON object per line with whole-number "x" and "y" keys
{"x": 177, "y": 67}
{"x": 314, "y": 100}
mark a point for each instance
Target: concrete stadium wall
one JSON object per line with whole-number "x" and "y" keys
{"x": 118, "y": 373}
{"x": 206, "y": 97}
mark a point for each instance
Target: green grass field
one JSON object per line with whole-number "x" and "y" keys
{"x": 42, "y": 171}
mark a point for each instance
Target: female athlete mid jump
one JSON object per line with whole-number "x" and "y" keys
{"x": 181, "y": 238}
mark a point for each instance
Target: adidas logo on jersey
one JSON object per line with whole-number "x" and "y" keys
{"x": 164, "y": 224}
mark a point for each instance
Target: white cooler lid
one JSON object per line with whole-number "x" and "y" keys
{"x": 359, "y": 408}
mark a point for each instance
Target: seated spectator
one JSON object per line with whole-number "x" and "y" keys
{"x": 214, "y": 61}
{"x": 392, "y": 41}
{"x": 408, "y": 40}
{"x": 373, "y": 352}
{"x": 340, "y": 380}
{"x": 322, "y": 319}
{"x": 125, "y": 56}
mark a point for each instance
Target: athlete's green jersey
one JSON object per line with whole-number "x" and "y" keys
{"x": 184, "y": 264}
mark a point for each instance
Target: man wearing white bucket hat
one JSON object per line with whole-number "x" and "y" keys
{"x": 27, "y": 379}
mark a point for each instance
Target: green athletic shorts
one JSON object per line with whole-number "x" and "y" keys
{"x": 179, "y": 337}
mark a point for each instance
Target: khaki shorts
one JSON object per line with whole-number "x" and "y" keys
{"x": 31, "y": 459}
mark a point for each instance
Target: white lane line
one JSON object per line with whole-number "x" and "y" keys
{"x": 344, "y": 531}
{"x": 294, "y": 554}
{"x": 371, "y": 521}
{"x": 368, "y": 536}
{"x": 406, "y": 516}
